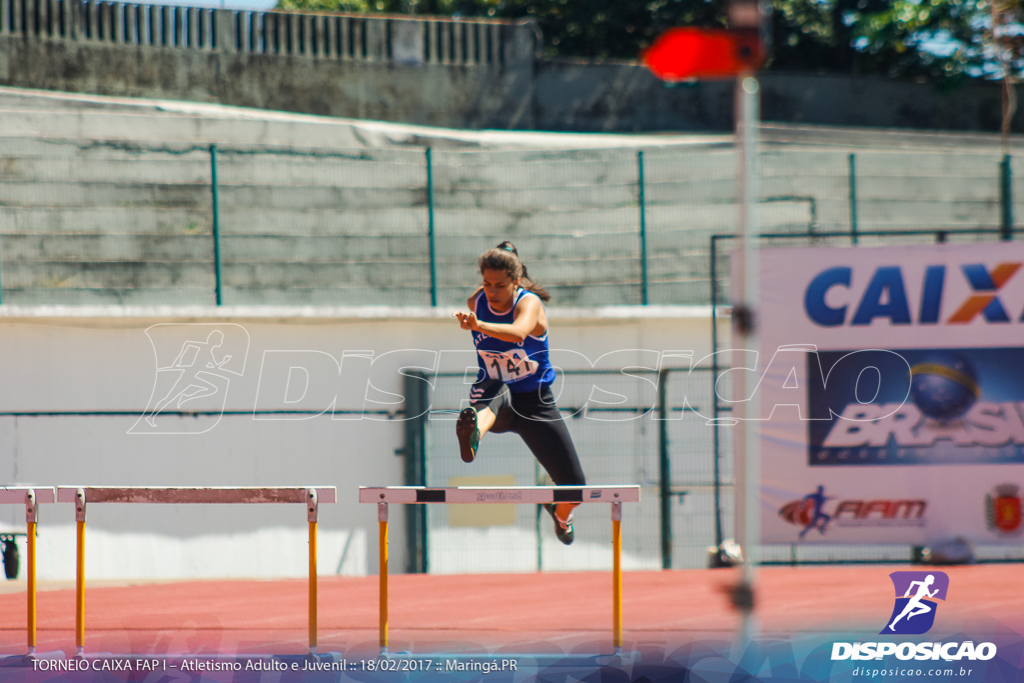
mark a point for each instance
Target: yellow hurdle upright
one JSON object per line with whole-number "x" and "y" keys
{"x": 311, "y": 496}
{"x": 313, "y": 509}
{"x": 382, "y": 518}
{"x": 30, "y": 497}
{"x": 617, "y": 576}
{"x": 616, "y": 495}
{"x": 31, "y": 542}
{"x": 80, "y": 574}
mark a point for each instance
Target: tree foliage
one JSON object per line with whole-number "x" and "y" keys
{"x": 1007, "y": 38}
{"x": 611, "y": 29}
{"x": 932, "y": 40}
{"x": 467, "y": 8}
{"x": 590, "y": 29}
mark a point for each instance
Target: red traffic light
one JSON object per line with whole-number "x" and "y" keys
{"x": 681, "y": 54}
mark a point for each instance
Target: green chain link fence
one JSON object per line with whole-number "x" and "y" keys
{"x": 121, "y": 223}
{"x": 111, "y": 223}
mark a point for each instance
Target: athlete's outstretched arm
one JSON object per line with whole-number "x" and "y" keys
{"x": 524, "y": 321}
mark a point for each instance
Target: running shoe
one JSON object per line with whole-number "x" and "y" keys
{"x": 563, "y": 530}
{"x": 468, "y": 434}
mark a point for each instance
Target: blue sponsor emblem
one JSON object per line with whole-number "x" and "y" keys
{"x": 916, "y": 407}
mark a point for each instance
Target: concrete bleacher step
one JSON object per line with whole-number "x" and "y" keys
{"x": 110, "y": 200}
{"x": 106, "y": 248}
{"x": 598, "y": 294}
{"x": 96, "y": 193}
{"x": 105, "y": 274}
{"x": 178, "y": 295}
{"x": 918, "y": 212}
{"x": 158, "y": 126}
{"x": 112, "y": 220}
{"x": 120, "y": 168}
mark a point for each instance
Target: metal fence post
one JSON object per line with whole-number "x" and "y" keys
{"x": 853, "y": 198}
{"x": 717, "y": 475}
{"x": 430, "y": 228}
{"x": 417, "y": 402}
{"x": 664, "y": 472}
{"x": 538, "y": 476}
{"x": 715, "y": 409}
{"x": 643, "y": 227}
{"x": 216, "y": 224}
{"x": 1006, "y": 197}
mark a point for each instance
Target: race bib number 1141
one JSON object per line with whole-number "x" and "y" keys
{"x": 510, "y": 366}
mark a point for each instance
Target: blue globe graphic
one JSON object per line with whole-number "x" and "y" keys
{"x": 944, "y": 385}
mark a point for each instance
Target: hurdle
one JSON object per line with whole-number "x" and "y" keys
{"x": 29, "y": 497}
{"x": 312, "y": 497}
{"x": 518, "y": 495}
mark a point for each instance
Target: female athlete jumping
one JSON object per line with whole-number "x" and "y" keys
{"x": 513, "y": 388}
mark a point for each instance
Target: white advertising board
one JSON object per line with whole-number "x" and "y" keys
{"x": 892, "y": 394}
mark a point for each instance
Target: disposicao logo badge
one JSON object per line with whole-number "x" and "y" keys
{"x": 195, "y": 363}
{"x": 916, "y": 593}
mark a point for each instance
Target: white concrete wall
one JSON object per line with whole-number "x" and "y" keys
{"x": 78, "y": 380}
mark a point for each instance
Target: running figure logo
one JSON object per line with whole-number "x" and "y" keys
{"x": 819, "y": 520}
{"x": 194, "y": 366}
{"x": 914, "y": 612}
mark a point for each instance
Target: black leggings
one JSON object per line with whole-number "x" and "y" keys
{"x": 535, "y": 418}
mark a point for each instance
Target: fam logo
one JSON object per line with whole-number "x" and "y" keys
{"x": 916, "y": 592}
{"x": 1003, "y": 510}
{"x": 812, "y": 513}
{"x": 195, "y": 364}
{"x": 808, "y": 512}
{"x": 885, "y": 296}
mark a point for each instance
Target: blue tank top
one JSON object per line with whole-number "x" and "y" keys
{"x": 523, "y": 366}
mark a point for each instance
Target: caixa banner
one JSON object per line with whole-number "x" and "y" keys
{"x": 891, "y": 391}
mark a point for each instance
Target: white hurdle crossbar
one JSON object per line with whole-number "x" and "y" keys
{"x": 516, "y": 495}
{"x": 29, "y": 496}
{"x": 311, "y": 496}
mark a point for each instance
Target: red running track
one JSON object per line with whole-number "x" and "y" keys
{"x": 522, "y": 613}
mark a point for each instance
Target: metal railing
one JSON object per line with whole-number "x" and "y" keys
{"x": 340, "y": 36}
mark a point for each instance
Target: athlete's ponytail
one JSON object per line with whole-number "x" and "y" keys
{"x": 505, "y": 259}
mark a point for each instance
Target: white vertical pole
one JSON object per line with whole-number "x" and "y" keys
{"x": 745, "y": 299}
